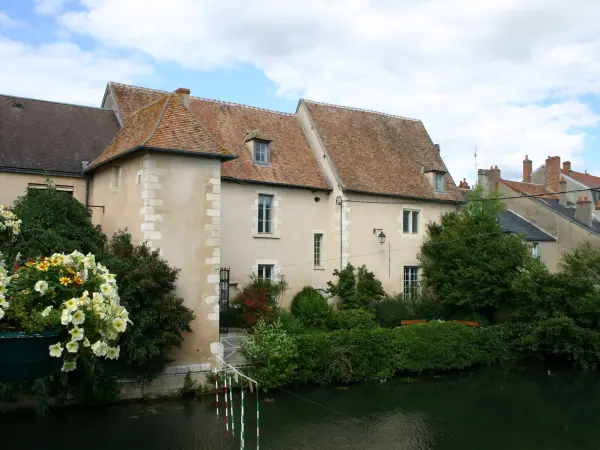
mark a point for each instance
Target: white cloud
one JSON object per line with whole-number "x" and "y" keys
{"x": 50, "y": 7}
{"x": 506, "y": 76}
{"x": 61, "y": 71}
{"x": 6, "y": 21}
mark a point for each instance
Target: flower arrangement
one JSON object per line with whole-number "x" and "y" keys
{"x": 70, "y": 294}
{"x": 9, "y": 224}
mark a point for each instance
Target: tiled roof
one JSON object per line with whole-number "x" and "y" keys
{"x": 166, "y": 124}
{"x": 292, "y": 160}
{"x": 569, "y": 212}
{"x": 513, "y": 223}
{"x": 529, "y": 188}
{"x": 53, "y": 137}
{"x": 380, "y": 153}
{"x": 584, "y": 178}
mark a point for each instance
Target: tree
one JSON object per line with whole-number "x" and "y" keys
{"x": 469, "y": 262}
{"x": 53, "y": 222}
{"x": 356, "y": 288}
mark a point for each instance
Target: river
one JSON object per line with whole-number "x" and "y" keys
{"x": 520, "y": 408}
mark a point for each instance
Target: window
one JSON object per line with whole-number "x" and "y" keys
{"x": 265, "y": 212}
{"x": 439, "y": 182}
{"x": 411, "y": 281}
{"x": 317, "y": 243}
{"x": 59, "y": 188}
{"x": 535, "y": 250}
{"x": 261, "y": 153}
{"x": 115, "y": 177}
{"x": 410, "y": 221}
{"x": 265, "y": 271}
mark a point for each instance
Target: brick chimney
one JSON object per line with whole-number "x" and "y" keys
{"x": 488, "y": 179}
{"x": 463, "y": 184}
{"x": 562, "y": 185}
{"x": 552, "y": 172}
{"x": 494, "y": 177}
{"x": 583, "y": 211}
{"x": 185, "y": 96}
{"x": 567, "y": 166}
{"x": 527, "y": 169}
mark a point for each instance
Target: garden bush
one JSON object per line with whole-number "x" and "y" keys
{"x": 291, "y": 323}
{"x": 260, "y": 299}
{"x": 348, "y": 319}
{"x": 311, "y": 308}
{"x": 356, "y": 355}
{"x": 356, "y": 288}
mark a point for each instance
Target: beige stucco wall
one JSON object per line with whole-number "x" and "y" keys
{"x": 296, "y": 216}
{"x": 400, "y": 249}
{"x": 172, "y": 202}
{"x": 569, "y": 234}
{"x": 13, "y": 185}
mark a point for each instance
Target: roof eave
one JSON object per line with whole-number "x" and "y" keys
{"x": 408, "y": 197}
{"x": 271, "y": 183}
{"x": 221, "y": 156}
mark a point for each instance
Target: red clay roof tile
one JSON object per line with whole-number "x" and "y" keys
{"x": 529, "y": 189}
{"x": 584, "y": 178}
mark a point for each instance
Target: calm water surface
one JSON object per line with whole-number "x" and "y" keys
{"x": 516, "y": 409}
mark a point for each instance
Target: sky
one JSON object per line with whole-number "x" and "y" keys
{"x": 505, "y": 78}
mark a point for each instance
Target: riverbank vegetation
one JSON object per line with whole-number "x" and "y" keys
{"x": 471, "y": 270}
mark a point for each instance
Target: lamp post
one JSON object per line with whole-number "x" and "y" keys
{"x": 381, "y": 236}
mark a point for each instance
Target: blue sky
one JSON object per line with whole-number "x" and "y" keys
{"x": 507, "y": 78}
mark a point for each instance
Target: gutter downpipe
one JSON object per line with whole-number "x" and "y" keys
{"x": 339, "y": 201}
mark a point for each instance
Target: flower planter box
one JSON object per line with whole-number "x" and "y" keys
{"x": 26, "y": 356}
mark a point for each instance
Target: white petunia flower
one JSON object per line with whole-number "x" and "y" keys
{"x": 41, "y": 287}
{"x": 78, "y": 317}
{"x": 1, "y": 313}
{"x": 111, "y": 334}
{"x": 119, "y": 324}
{"x": 72, "y": 346}
{"x": 69, "y": 366}
{"x": 46, "y": 312}
{"x": 86, "y": 342}
{"x": 103, "y": 349}
{"x": 96, "y": 348}
{"x": 106, "y": 289}
{"x": 113, "y": 352}
{"x": 3, "y": 302}
{"x": 56, "y": 350}
{"x": 65, "y": 317}
{"x": 76, "y": 333}
{"x": 72, "y": 304}
{"x": 97, "y": 298}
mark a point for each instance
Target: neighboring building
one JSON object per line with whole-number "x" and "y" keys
{"x": 547, "y": 204}
{"x": 215, "y": 184}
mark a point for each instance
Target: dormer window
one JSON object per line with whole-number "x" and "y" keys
{"x": 439, "y": 182}
{"x": 262, "y": 154}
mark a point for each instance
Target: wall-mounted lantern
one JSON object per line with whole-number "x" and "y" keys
{"x": 380, "y": 236}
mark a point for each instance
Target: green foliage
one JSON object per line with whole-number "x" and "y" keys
{"x": 290, "y": 323}
{"x": 311, "y": 308}
{"x": 53, "y": 222}
{"x": 189, "y": 386}
{"x": 356, "y": 288}
{"x": 146, "y": 287}
{"x": 469, "y": 262}
{"x": 391, "y": 311}
{"x": 272, "y": 354}
{"x": 260, "y": 299}
{"x": 349, "y": 319}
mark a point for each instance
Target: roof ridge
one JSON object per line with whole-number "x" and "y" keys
{"x": 224, "y": 102}
{"x": 141, "y": 88}
{"x": 352, "y": 108}
{"x": 55, "y": 102}
{"x": 160, "y": 117}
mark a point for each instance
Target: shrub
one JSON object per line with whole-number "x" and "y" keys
{"x": 356, "y": 288}
{"x": 290, "y": 323}
{"x": 311, "y": 308}
{"x": 53, "y": 222}
{"x": 146, "y": 285}
{"x": 260, "y": 299}
{"x": 272, "y": 353}
{"x": 392, "y": 310}
{"x": 348, "y": 319}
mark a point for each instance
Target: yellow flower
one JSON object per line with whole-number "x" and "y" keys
{"x": 43, "y": 266}
{"x": 71, "y": 271}
{"x": 54, "y": 262}
{"x": 78, "y": 281}
{"x": 65, "y": 281}
{"x": 29, "y": 264}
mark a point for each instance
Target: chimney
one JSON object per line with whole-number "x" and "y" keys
{"x": 437, "y": 146}
{"x": 567, "y": 166}
{"x": 463, "y": 184}
{"x": 483, "y": 176}
{"x": 527, "y": 169}
{"x": 185, "y": 96}
{"x": 552, "y": 172}
{"x": 583, "y": 211}
{"x": 494, "y": 177}
{"x": 562, "y": 198}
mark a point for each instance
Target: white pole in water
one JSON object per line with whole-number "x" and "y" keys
{"x": 226, "y": 410}
{"x": 231, "y": 406}
{"x": 257, "y": 415}
{"x": 242, "y": 416}
{"x": 217, "y": 391}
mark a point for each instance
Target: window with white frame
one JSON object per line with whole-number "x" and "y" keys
{"x": 317, "y": 249}
{"x": 410, "y": 221}
{"x": 535, "y": 250}
{"x": 439, "y": 182}
{"x": 411, "y": 281}
{"x": 265, "y": 213}
{"x": 262, "y": 155}
{"x": 265, "y": 271}
{"x": 59, "y": 188}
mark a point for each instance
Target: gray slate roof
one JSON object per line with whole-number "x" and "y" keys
{"x": 569, "y": 213}
{"x": 513, "y": 223}
{"x": 54, "y": 137}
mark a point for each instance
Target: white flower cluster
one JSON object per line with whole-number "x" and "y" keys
{"x": 109, "y": 317}
{"x": 9, "y": 221}
{"x": 4, "y": 280}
